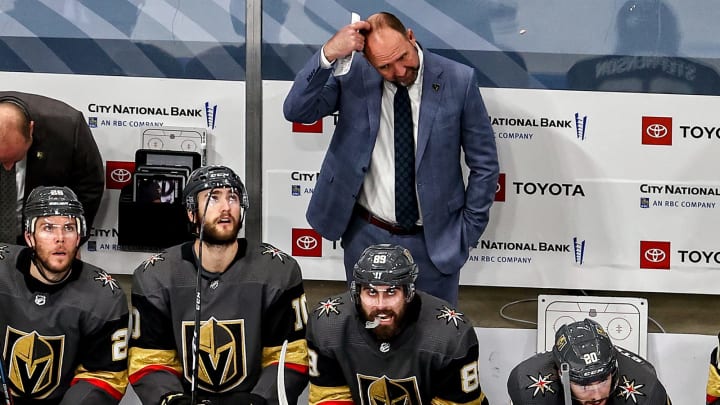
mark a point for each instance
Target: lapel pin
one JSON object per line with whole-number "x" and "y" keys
{"x": 40, "y": 155}
{"x": 436, "y": 87}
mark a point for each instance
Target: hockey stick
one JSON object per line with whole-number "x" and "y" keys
{"x": 565, "y": 381}
{"x": 198, "y": 296}
{"x": 3, "y": 380}
{"x": 282, "y": 395}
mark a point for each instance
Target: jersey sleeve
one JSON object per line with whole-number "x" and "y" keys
{"x": 327, "y": 382}
{"x": 154, "y": 365}
{"x": 101, "y": 375}
{"x": 459, "y": 379}
{"x": 285, "y": 319}
{"x": 713, "y": 383}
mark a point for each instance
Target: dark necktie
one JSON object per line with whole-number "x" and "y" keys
{"x": 406, "y": 207}
{"x": 8, "y": 206}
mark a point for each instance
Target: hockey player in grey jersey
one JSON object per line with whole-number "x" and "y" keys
{"x": 252, "y": 300}
{"x": 599, "y": 372}
{"x": 385, "y": 343}
{"x": 64, "y": 323}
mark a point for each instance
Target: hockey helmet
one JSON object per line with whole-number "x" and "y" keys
{"x": 207, "y": 177}
{"x": 47, "y": 201}
{"x": 385, "y": 264}
{"x": 588, "y": 351}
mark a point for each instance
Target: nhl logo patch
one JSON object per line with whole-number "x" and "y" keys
{"x": 40, "y": 300}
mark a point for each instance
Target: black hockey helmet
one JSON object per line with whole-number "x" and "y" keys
{"x": 385, "y": 264}
{"x": 588, "y": 350}
{"x": 207, "y": 177}
{"x": 48, "y": 201}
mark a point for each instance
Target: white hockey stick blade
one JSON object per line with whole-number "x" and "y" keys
{"x": 282, "y": 396}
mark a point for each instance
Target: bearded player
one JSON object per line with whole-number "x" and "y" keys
{"x": 383, "y": 342}
{"x": 252, "y": 300}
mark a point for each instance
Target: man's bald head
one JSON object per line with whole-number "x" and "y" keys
{"x": 391, "y": 49}
{"x": 15, "y": 133}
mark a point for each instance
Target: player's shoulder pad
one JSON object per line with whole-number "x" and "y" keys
{"x": 536, "y": 380}
{"x": 9, "y": 252}
{"x": 637, "y": 375}
{"x": 330, "y": 307}
{"x": 442, "y": 314}
{"x": 637, "y": 378}
{"x": 630, "y": 359}
{"x": 274, "y": 254}
{"x": 103, "y": 279}
{"x": 153, "y": 261}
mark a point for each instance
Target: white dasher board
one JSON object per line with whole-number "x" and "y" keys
{"x": 624, "y": 319}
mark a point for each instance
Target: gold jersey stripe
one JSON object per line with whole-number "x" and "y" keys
{"x": 713, "y": 384}
{"x": 139, "y": 358}
{"x": 478, "y": 401}
{"x": 320, "y": 394}
{"x": 297, "y": 353}
{"x": 117, "y": 380}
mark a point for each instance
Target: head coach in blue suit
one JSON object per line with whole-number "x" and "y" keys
{"x": 362, "y": 194}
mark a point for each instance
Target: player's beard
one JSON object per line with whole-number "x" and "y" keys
{"x": 214, "y": 236}
{"x": 387, "y": 332}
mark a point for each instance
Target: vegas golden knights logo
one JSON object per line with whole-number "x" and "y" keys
{"x": 388, "y": 391}
{"x": 222, "y": 364}
{"x": 35, "y": 362}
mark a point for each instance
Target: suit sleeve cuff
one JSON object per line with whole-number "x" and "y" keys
{"x": 324, "y": 62}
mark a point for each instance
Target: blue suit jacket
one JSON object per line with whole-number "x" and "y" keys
{"x": 452, "y": 117}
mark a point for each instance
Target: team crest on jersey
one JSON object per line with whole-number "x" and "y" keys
{"x": 222, "y": 363}
{"x": 35, "y": 362}
{"x": 541, "y": 384}
{"x": 274, "y": 252}
{"x": 106, "y": 279}
{"x": 4, "y": 251}
{"x": 450, "y": 315}
{"x": 153, "y": 259}
{"x": 629, "y": 389}
{"x": 329, "y": 306}
{"x": 384, "y": 390}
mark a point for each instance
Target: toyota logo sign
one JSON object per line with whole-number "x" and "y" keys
{"x": 654, "y": 255}
{"x": 306, "y": 242}
{"x": 121, "y": 175}
{"x": 656, "y": 131}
